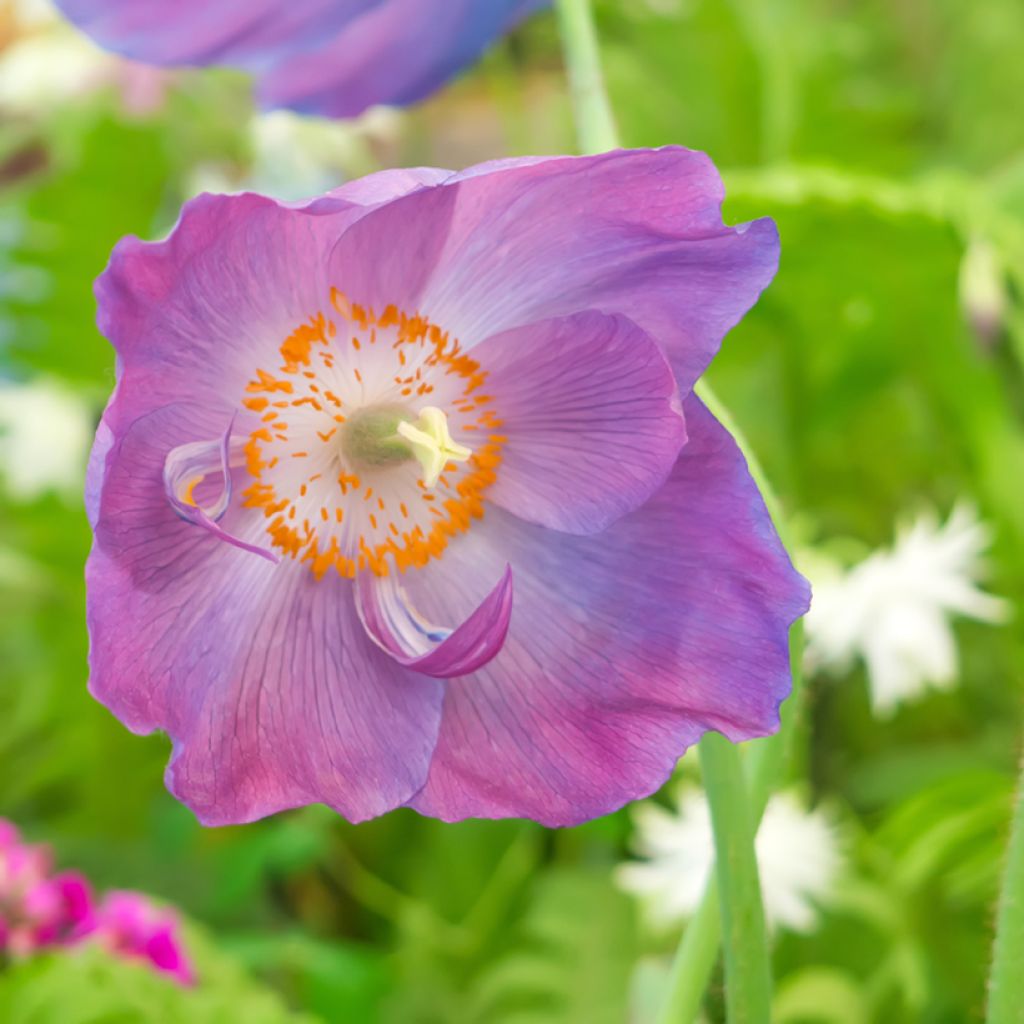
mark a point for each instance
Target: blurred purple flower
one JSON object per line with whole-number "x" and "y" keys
{"x": 330, "y": 57}
{"x": 338, "y": 429}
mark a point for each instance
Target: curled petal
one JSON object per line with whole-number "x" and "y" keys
{"x": 187, "y": 467}
{"x": 394, "y": 624}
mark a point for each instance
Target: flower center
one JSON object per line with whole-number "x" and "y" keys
{"x": 375, "y": 442}
{"x": 384, "y": 436}
{"x": 432, "y": 444}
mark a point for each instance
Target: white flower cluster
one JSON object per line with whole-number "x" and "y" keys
{"x": 893, "y": 609}
{"x": 295, "y": 157}
{"x": 45, "y": 430}
{"x": 47, "y": 62}
{"x": 797, "y": 854}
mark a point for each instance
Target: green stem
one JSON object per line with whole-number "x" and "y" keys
{"x": 595, "y": 124}
{"x": 734, "y": 813}
{"x": 748, "y": 983}
{"x": 515, "y": 867}
{"x": 1006, "y": 980}
{"x": 390, "y": 903}
{"x": 694, "y": 961}
{"x": 696, "y": 955}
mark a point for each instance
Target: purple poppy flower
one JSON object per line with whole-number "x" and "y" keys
{"x": 330, "y": 57}
{"x": 403, "y": 496}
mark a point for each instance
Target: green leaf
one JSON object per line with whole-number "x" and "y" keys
{"x": 820, "y": 995}
{"x": 76, "y": 214}
{"x": 87, "y": 985}
{"x": 572, "y": 960}
{"x": 955, "y": 826}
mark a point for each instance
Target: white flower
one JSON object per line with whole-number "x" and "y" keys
{"x": 295, "y": 157}
{"x": 894, "y": 608}
{"x": 797, "y": 855}
{"x": 45, "y": 431}
{"x": 48, "y": 62}
{"x": 29, "y": 13}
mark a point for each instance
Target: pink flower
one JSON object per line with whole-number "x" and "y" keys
{"x": 37, "y": 909}
{"x": 40, "y": 910}
{"x": 129, "y": 925}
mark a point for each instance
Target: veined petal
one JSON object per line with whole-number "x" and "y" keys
{"x": 194, "y": 313}
{"x": 500, "y": 247}
{"x": 264, "y": 678}
{"x": 394, "y": 624}
{"x": 625, "y": 646}
{"x": 590, "y": 416}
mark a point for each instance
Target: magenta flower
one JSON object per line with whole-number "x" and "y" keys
{"x": 403, "y": 496}
{"x": 331, "y": 57}
{"x": 130, "y": 926}
{"x": 37, "y": 909}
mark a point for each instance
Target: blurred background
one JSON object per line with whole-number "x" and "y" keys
{"x": 879, "y": 379}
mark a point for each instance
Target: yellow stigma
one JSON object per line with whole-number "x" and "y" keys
{"x": 431, "y": 443}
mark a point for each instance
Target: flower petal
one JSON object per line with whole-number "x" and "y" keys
{"x": 624, "y": 649}
{"x": 380, "y": 187}
{"x": 397, "y": 54}
{"x": 301, "y": 710}
{"x": 196, "y": 32}
{"x": 263, "y": 677}
{"x": 635, "y": 232}
{"x": 394, "y": 624}
{"x": 591, "y": 417}
{"x": 329, "y": 57}
{"x": 197, "y": 313}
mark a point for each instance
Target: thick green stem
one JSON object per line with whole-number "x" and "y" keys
{"x": 595, "y": 124}
{"x": 695, "y": 958}
{"x": 1006, "y": 980}
{"x": 694, "y": 961}
{"x": 734, "y": 813}
{"x": 748, "y": 983}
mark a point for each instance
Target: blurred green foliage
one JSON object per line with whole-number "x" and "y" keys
{"x": 885, "y": 137}
{"x": 91, "y": 987}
